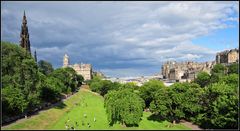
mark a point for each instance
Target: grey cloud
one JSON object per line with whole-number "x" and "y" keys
{"x": 133, "y": 37}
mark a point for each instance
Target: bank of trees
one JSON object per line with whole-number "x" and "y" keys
{"x": 210, "y": 101}
{"x": 26, "y": 85}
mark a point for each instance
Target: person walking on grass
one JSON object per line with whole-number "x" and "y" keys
{"x": 68, "y": 119}
{"x": 94, "y": 119}
{"x": 82, "y": 123}
{"x": 76, "y": 123}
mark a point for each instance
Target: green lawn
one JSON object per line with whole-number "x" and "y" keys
{"x": 74, "y": 109}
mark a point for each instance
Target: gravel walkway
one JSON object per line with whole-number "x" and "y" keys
{"x": 190, "y": 125}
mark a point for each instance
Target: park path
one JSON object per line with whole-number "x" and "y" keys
{"x": 190, "y": 125}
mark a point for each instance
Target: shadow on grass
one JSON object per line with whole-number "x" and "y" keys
{"x": 156, "y": 117}
{"x": 123, "y": 124}
{"x": 60, "y": 105}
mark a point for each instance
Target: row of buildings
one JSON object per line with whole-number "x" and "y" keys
{"x": 187, "y": 71}
{"x": 82, "y": 69}
{"x": 171, "y": 70}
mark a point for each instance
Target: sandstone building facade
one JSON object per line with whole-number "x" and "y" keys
{"x": 187, "y": 71}
{"x": 177, "y": 71}
{"x": 83, "y": 69}
{"x": 227, "y": 56}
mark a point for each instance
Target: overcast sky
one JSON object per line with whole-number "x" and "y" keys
{"x": 124, "y": 38}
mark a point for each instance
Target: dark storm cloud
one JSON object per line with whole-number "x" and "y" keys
{"x": 118, "y": 38}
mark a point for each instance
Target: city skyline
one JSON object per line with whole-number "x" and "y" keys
{"x": 124, "y": 38}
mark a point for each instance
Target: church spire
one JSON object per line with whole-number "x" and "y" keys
{"x": 35, "y": 55}
{"x": 24, "y": 36}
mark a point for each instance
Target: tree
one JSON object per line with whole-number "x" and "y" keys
{"x": 233, "y": 68}
{"x": 19, "y": 71}
{"x": 231, "y": 79}
{"x": 45, "y": 67}
{"x": 123, "y": 106}
{"x": 68, "y": 77}
{"x": 79, "y": 80}
{"x": 129, "y": 85}
{"x": 51, "y": 89}
{"x": 177, "y": 101}
{"x": 13, "y": 101}
{"x": 218, "y": 68}
{"x": 217, "y": 72}
{"x": 220, "y": 107}
{"x": 148, "y": 90}
{"x": 203, "y": 79}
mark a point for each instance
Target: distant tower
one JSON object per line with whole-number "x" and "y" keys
{"x": 65, "y": 60}
{"x": 24, "y": 42}
{"x": 35, "y": 55}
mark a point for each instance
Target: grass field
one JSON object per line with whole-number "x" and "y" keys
{"x": 74, "y": 108}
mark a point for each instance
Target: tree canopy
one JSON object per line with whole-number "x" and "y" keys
{"x": 45, "y": 67}
{"x": 148, "y": 89}
{"x": 203, "y": 79}
{"x": 123, "y": 106}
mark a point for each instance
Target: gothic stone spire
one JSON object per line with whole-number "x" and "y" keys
{"x": 24, "y": 42}
{"x": 35, "y": 55}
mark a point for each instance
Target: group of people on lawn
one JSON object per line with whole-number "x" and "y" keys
{"x": 68, "y": 127}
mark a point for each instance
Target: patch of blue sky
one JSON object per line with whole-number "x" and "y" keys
{"x": 220, "y": 39}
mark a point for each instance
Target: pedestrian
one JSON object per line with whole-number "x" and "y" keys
{"x": 68, "y": 119}
{"x": 88, "y": 125}
{"x": 82, "y": 123}
{"x": 94, "y": 119}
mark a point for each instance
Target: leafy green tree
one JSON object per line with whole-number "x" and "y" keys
{"x": 218, "y": 68}
{"x": 220, "y": 107}
{"x": 203, "y": 79}
{"x": 217, "y": 72}
{"x": 124, "y": 106}
{"x": 148, "y": 90}
{"x": 51, "y": 89}
{"x": 233, "y": 68}
{"x": 107, "y": 85}
{"x": 45, "y": 67}
{"x": 129, "y": 85}
{"x": 80, "y": 79}
{"x": 231, "y": 79}
{"x": 20, "y": 72}
{"x": 180, "y": 100}
{"x": 13, "y": 101}
{"x": 68, "y": 77}
{"x": 101, "y": 86}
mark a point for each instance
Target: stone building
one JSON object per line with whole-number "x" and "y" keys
{"x": 176, "y": 71}
{"x": 227, "y": 56}
{"x": 83, "y": 69}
